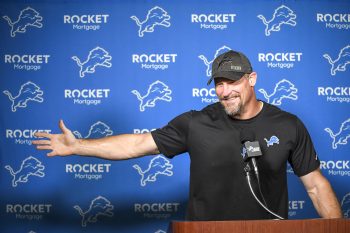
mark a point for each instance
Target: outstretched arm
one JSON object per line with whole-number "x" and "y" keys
{"x": 322, "y": 195}
{"x": 117, "y": 147}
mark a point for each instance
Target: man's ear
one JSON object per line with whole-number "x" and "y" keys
{"x": 252, "y": 79}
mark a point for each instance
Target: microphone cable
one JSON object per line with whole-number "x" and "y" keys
{"x": 247, "y": 170}
{"x": 258, "y": 179}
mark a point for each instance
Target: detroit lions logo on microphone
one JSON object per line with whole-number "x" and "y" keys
{"x": 30, "y": 167}
{"x": 340, "y": 138}
{"x": 282, "y": 15}
{"x": 341, "y": 62}
{"x": 27, "y": 18}
{"x": 244, "y": 152}
{"x": 28, "y": 92}
{"x": 97, "y": 57}
{"x": 156, "y": 16}
{"x": 158, "y": 166}
{"x": 208, "y": 64}
{"x": 100, "y": 206}
{"x": 284, "y": 89}
{"x": 156, "y": 91}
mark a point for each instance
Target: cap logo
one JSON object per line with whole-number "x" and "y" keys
{"x": 230, "y": 65}
{"x": 237, "y": 68}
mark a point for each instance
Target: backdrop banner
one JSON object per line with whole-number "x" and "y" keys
{"x": 113, "y": 67}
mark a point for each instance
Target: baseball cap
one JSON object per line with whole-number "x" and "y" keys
{"x": 231, "y": 65}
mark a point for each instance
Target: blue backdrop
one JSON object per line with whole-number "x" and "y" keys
{"x": 111, "y": 67}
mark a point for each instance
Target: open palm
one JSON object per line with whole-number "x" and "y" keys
{"x": 60, "y": 144}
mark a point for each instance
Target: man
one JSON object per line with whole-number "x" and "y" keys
{"x": 212, "y": 137}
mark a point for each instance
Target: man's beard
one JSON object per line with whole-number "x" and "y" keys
{"x": 233, "y": 109}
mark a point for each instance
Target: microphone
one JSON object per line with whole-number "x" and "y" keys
{"x": 251, "y": 148}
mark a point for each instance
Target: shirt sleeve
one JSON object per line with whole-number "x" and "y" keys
{"x": 171, "y": 140}
{"x": 303, "y": 158}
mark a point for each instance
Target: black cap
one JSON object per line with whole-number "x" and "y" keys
{"x": 231, "y": 65}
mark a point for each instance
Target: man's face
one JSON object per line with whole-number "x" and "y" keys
{"x": 232, "y": 94}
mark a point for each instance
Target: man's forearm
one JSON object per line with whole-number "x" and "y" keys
{"x": 118, "y": 147}
{"x": 325, "y": 201}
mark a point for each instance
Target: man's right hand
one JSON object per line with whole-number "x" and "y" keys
{"x": 60, "y": 144}
{"x": 118, "y": 147}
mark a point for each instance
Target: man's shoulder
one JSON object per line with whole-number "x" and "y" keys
{"x": 214, "y": 111}
{"x": 272, "y": 109}
{"x": 276, "y": 113}
{"x": 211, "y": 107}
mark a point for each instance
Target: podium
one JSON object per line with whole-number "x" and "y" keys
{"x": 263, "y": 226}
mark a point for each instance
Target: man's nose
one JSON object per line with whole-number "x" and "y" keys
{"x": 226, "y": 90}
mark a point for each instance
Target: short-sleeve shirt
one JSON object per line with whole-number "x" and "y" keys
{"x": 218, "y": 185}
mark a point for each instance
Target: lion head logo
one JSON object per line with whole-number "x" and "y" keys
{"x": 97, "y": 57}
{"x": 27, "y": 17}
{"x": 97, "y": 130}
{"x": 157, "y": 166}
{"x": 156, "y": 16}
{"x": 156, "y": 91}
{"x": 100, "y": 206}
{"x": 341, "y": 62}
{"x": 30, "y": 167}
{"x": 28, "y": 92}
{"x": 282, "y": 15}
{"x": 342, "y": 136}
{"x": 284, "y": 89}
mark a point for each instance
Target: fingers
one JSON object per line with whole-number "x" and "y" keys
{"x": 41, "y": 142}
{"x": 63, "y": 127}
{"x": 52, "y": 153}
{"x": 46, "y": 147}
{"x": 43, "y": 135}
{"x": 46, "y": 144}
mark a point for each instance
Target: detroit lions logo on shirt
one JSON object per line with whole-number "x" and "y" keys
{"x": 272, "y": 140}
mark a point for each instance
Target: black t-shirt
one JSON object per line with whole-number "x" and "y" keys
{"x": 218, "y": 186}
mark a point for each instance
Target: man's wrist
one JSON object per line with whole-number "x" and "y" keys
{"x": 77, "y": 147}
